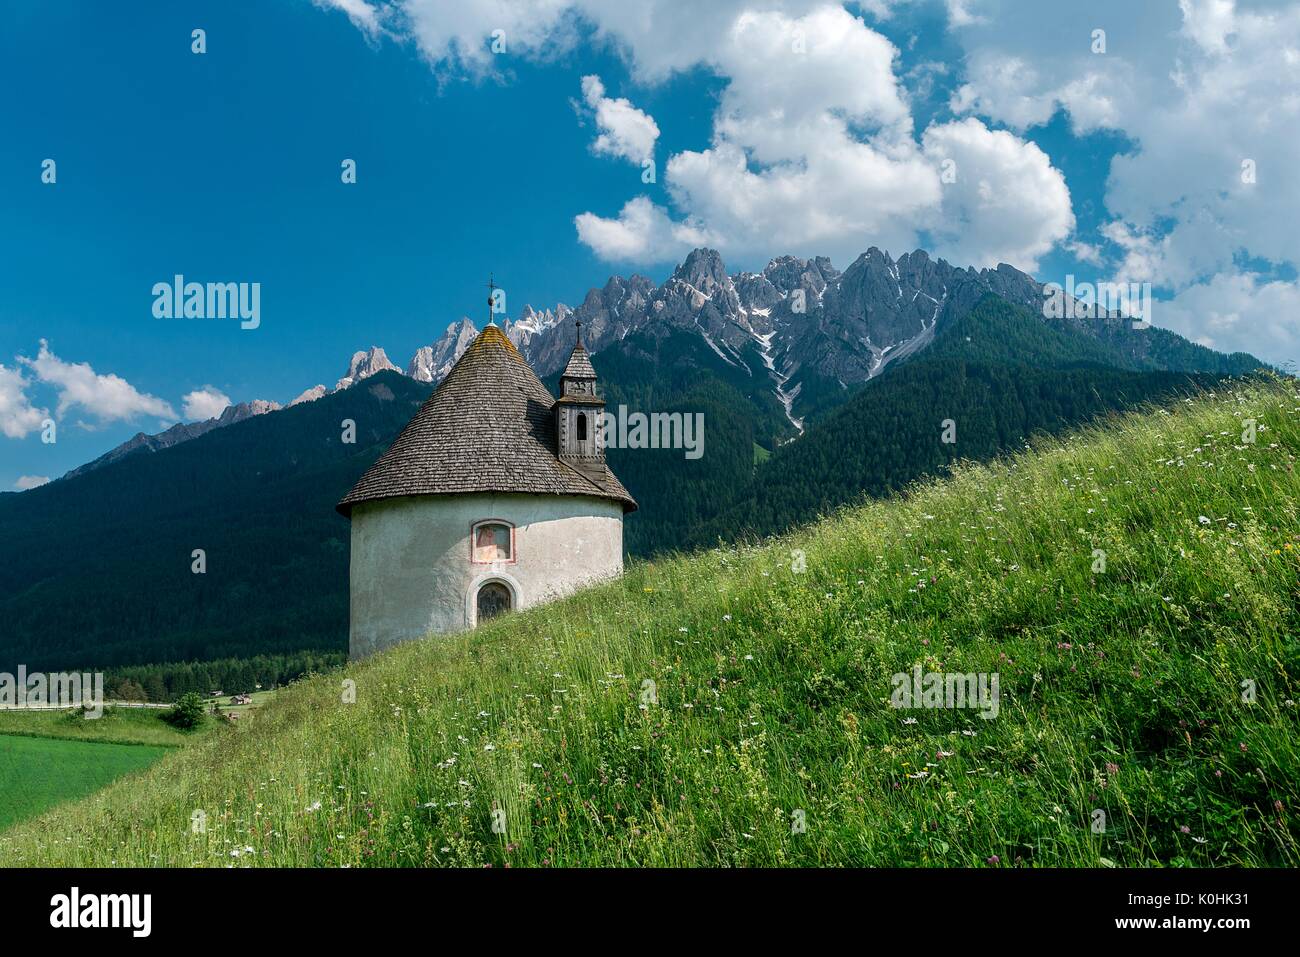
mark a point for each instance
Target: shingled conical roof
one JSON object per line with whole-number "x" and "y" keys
{"x": 579, "y": 365}
{"x": 489, "y": 427}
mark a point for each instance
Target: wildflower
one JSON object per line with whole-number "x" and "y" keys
{"x": 993, "y": 859}
{"x": 1185, "y": 829}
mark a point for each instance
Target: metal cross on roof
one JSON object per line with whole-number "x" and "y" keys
{"x": 492, "y": 293}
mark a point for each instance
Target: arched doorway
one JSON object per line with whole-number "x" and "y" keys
{"x": 493, "y": 599}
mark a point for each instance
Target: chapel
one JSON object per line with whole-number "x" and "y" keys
{"x": 493, "y": 498}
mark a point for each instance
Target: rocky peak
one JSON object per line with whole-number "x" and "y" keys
{"x": 364, "y": 365}
{"x": 703, "y": 269}
{"x": 310, "y": 395}
{"x": 432, "y": 363}
{"x": 245, "y": 410}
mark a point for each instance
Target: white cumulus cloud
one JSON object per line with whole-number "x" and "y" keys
{"x": 107, "y": 398}
{"x": 642, "y": 232}
{"x": 26, "y": 482}
{"x": 1007, "y": 202}
{"x": 1235, "y": 312}
{"x": 18, "y": 416}
{"x": 203, "y": 404}
{"x": 813, "y": 149}
{"x": 363, "y": 15}
{"x": 625, "y": 131}
{"x": 813, "y": 152}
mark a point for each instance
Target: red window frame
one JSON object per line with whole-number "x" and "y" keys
{"x": 473, "y": 533}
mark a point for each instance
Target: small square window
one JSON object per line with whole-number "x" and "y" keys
{"x": 492, "y": 543}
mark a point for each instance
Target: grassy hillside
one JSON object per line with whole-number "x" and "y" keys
{"x": 1121, "y": 690}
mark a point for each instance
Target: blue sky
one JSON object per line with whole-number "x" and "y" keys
{"x": 225, "y": 166}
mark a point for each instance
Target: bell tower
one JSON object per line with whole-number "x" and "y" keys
{"x": 578, "y": 414}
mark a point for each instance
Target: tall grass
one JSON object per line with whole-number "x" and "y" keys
{"x": 1121, "y": 692}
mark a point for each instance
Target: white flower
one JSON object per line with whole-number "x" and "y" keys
{"x": 1203, "y": 520}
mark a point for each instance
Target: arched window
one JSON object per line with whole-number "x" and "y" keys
{"x": 582, "y": 426}
{"x": 493, "y": 599}
{"x": 492, "y": 542}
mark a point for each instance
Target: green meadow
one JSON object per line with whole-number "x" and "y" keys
{"x": 38, "y": 773}
{"x": 115, "y": 726}
{"x": 48, "y": 757}
{"x": 1133, "y": 586}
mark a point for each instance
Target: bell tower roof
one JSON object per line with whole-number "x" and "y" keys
{"x": 579, "y": 364}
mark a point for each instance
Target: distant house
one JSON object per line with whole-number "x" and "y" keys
{"x": 215, "y": 694}
{"x": 495, "y": 497}
{"x": 241, "y": 699}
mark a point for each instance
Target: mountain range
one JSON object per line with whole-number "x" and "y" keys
{"x": 809, "y": 406}
{"x": 803, "y": 331}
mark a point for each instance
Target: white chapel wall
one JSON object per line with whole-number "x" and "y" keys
{"x": 411, "y": 573}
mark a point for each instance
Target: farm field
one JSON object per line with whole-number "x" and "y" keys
{"x": 38, "y": 773}
{"x": 47, "y": 757}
